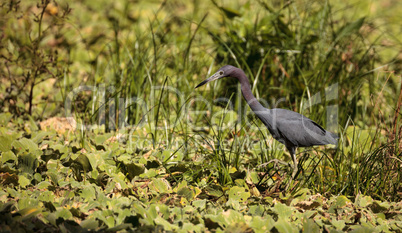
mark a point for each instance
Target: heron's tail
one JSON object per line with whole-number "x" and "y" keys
{"x": 334, "y": 135}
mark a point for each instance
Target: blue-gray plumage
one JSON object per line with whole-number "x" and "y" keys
{"x": 289, "y": 128}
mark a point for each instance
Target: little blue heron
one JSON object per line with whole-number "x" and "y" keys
{"x": 290, "y": 128}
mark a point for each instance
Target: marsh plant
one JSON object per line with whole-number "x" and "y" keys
{"x": 101, "y": 128}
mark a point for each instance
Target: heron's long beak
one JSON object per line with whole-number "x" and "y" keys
{"x": 210, "y": 79}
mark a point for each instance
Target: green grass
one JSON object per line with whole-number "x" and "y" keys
{"x": 151, "y": 153}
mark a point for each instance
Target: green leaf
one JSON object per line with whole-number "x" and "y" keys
{"x": 46, "y": 196}
{"x": 135, "y": 169}
{"x": 350, "y": 28}
{"x": 302, "y": 193}
{"x": 189, "y": 227}
{"x": 23, "y": 181}
{"x": 28, "y": 163}
{"x": 90, "y": 224}
{"x": 379, "y": 207}
{"x": 234, "y": 204}
{"x": 43, "y": 185}
{"x": 6, "y": 143}
{"x": 186, "y": 193}
{"x": 27, "y": 201}
{"x": 63, "y": 213}
{"x": 159, "y": 186}
{"x": 110, "y": 221}
{"x": 5, "y": 118}
{"x": 27, "y": 213}
{"x": 199, "y": 204}
{"x": 341, "y": 201}
{"x": 53, "y": 177}
{"x": 8, "y": 156}
{"x": 149, "y": 174}
{"x": 339, "y": 224}
{"x": 32, "y": 124}
{"x": 37, "y": 177}
{"x": 232, "y": 217}
{"x": 214, "y": 190}
{"x": 283, "y": 211}
{"x": 364, "y": 201}
{"x": 100, "y": 139}
{"x": 256, "y": 210}
{"x": 138, "y": 208}
{"x": 25, "y": 144}
{"x": 37, "y": 138}
{"x": 84, "y": 162}
{"x": 88, "y": 193}
{"x": 260, "y": 224}
{"x": 12, "y": 192}
{"x": 252, "y": 177}
{"x": 229, "y": 12}
{"x": 59, "y": 147}
{"x": 120, "y": 179}
{"x": 238, "y": 227}
{"x": 219, "y": 219}
{"x": 119, "y": 228}
{"x": 310, "y": 226}
{"x": 238, "y": 194}
{"x": 284, "y": 226}
{"x": 361, "y": 229}
{"x": 166, "y": 225}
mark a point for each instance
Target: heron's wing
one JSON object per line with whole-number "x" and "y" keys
{"x": 300, "y": 130}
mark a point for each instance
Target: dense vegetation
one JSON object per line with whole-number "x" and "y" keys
{"x": 101, "y": 128}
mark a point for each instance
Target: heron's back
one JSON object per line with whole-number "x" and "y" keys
{"x": 290, "y": 127}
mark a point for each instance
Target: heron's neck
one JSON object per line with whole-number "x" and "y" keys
{"x": 248, "y": 95}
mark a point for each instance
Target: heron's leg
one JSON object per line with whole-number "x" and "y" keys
{"x": 295, "y": 169}
{"x": 292, "y": 151}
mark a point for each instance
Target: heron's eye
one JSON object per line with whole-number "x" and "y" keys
{"x": 220, "y": 72}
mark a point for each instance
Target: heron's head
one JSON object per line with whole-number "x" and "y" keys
{"x": 225, "y": 71}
